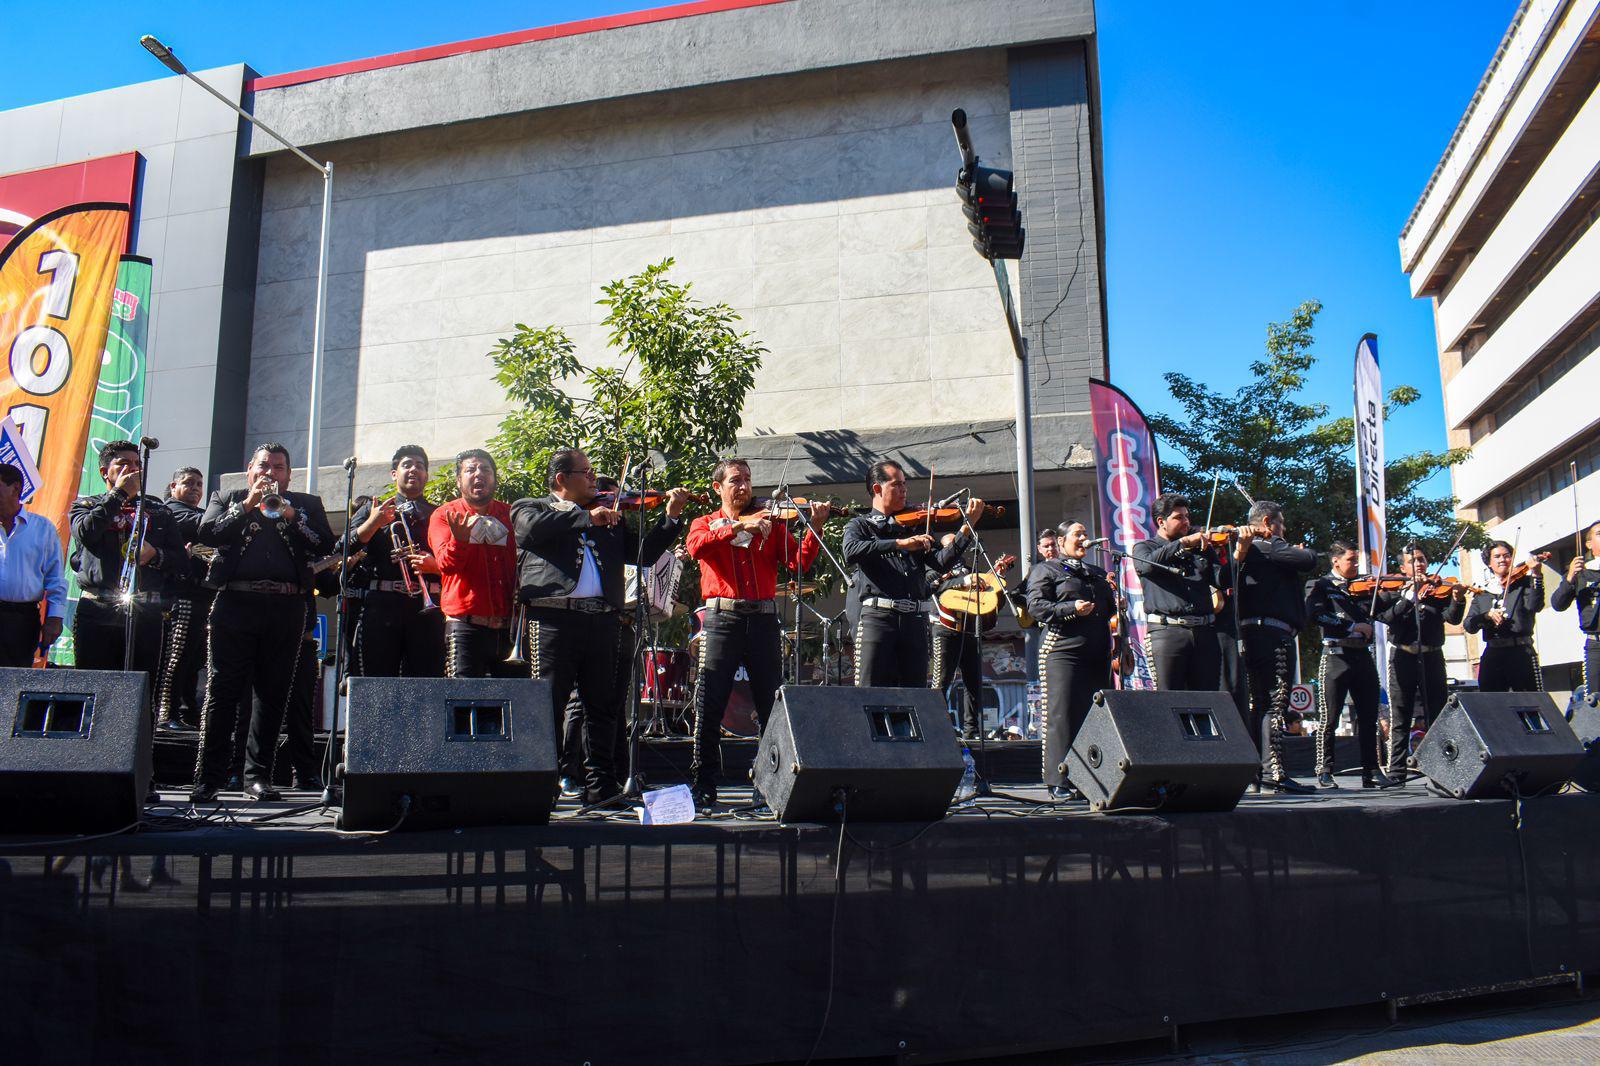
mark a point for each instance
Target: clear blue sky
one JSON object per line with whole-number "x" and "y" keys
{"x": 1253, "y": 160}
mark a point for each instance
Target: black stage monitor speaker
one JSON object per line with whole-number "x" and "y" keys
{"x": 891, "y": 750}
{"x": 1162, "y": 751}
{"x": 1483, "y": 741}
{"x": 467, "y": 751}
{"x": 1586, "y": 725}
{"x": 75, "y": 750}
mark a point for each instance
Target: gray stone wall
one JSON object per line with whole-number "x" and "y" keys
{"x": 191, "y": 200}
{"x": 819, "y": 205}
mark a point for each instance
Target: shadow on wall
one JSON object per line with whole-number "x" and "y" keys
{"x": 443, "y": 238}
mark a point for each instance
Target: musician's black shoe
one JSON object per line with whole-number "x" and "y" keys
{"x": 1288, "y": 785}
{"x": 705, "y": 797}
{"x": 309, "y": 781}
{"x": 1064, "y": 793}
{"x": 203, "y": 794}
{"x": 261, "y": 791}
{"x": 1395, "y": 780}
{"x": 1325, "y": 780}
{"x": 595, "y": 796}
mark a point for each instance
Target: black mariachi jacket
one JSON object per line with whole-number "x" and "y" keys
{"x": 192, "y": 577}
{"x": 1188, "y": 593}
{"x": 1270, "y": 585}
{"x": 1055, "y": 586}
{"x": 1521, "y": 603}
{"x": 228, "y": 527}
{"x": 550, "y": 535}
{"x": 1405, "y": 618}
{"x": 1586, "y": 592}
{"x": 101, "y": 531}
{"x": 378, "y": 564}
{"x": 1330, "y": 605}
{"x": 884, "y": 570}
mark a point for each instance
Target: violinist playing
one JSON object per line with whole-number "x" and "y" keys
{"x": 1581, "y": 585}
{"x": 1504, "y": 616}
{"x": 1416, "y": 618}
{"x": 889, "y": 597}
{"x": 1344, "y": 606}
{"x": 1074, "y": 600}
{"x": 959, "y": 621}
{"x": 741, "y": 552}
{"x": 571, "y": 550}
{"x": 1179, "y": 576}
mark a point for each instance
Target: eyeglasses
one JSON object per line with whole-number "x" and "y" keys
{"x": 587, "y": 471}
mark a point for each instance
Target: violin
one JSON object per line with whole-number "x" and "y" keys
{"x": 1221, "y": 536}
{"x": 634, "y": 500}
{"x": 788, "y": 508}
{"x": 978, "y": 593}
{"x": 1442, "y": 588}
{"x": 1521, "y": 571}
{"x": 1367, "y": 583}
{"x": 940, "y": 516}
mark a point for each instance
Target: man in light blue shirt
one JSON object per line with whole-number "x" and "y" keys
{"x": 30, "y": 571}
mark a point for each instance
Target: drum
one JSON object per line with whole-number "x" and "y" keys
{"x": 665, "y": 682}
{"x": 739, "y": 716}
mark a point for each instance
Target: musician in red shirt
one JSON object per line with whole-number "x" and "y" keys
{"x": 477, "y": 560}
{"x": 740, "y": 555}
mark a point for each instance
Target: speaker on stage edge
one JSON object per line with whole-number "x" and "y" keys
{"x": 1483, "y": 742}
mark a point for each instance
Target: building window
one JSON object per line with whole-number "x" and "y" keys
{"x": 1541, "y": 484}
{"x": 1545, "y": 379}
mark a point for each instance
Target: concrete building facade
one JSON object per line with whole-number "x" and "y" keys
{"x": 1504, "y": 242}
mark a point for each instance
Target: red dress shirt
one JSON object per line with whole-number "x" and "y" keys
{"x": 750, "y": 572}
{"x": 477, "y": 577}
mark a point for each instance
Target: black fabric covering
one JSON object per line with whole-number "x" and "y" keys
{"x": 710, "y": 943}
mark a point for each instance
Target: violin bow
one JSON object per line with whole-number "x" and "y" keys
{"x": 1211, "y": 508}
{"x": 1577, "y": 523}
{"x": 928, "y": 528}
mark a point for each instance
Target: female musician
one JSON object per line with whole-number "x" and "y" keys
{"x": 1582, "y": 584}
{"x": 1505, "y": 618}
{"x": 1073, "y": 599}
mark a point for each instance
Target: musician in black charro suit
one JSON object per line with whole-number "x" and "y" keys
{"x": 183, "y": 645}
{"x": 266, "y": 539}
{"x": 1074, "y": 600}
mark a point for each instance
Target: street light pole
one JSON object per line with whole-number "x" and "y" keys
{"x": 319, "y": 323}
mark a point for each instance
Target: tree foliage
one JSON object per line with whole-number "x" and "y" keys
{"x": 674, "y": 382}
{"x": 1281, "y": 446}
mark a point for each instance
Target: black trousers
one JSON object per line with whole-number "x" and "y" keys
{"x": 1348, "y": 672}
{"x": 1184, "y": 658}
{"x": 474, "y": 650}
{"x": 728, "y": 641}
{"x": 1234, "y": 681}
{"x": 255, "y": 640}
{"x": 1070, "y": 677}
{"x": 1269, "y": 662}
{"x": 578, "y": 651}
{"x": 98, "y": 637}
{"x": 183, "y": 656}
{"x": 1417, "y": 690}
{"x": 1591, "y": 666}
{"x": 299, "y": 722}
{"x": 1509, "y": 669}
{"x": 891, "y": 649}
{"x": 960, "y": 649}
{"x": 19, "y": 634}
{"x": 395, "y": 637}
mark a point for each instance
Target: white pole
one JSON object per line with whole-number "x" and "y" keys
{"x": 318, "y": 332}
{"x": 1019, "y": 380}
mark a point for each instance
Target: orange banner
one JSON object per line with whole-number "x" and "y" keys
{"x": 57, "y": 276}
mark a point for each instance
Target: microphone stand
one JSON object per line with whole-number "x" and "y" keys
{"x": 136, "y": 541}
{"x": 331, "y": 794}
{"x": 782, "y": 493}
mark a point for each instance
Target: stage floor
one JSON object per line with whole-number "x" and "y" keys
{"x": 1011, "y": 925}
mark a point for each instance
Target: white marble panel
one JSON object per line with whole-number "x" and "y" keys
{"x": 876, "y": 362}
{"x": 884, "y": 316}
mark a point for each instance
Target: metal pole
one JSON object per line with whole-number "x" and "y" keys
{"x": 1019, "y": 379}
{"x": 318, "y": 331}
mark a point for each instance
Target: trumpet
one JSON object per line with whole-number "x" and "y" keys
{"x": 518, "y": 655}
{"x": 404, "y": 545}
{"x": 127, "y": 580}
{"x": 272, "y": 506}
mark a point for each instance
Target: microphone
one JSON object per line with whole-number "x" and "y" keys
{"x": 149, "y": 442}
{"x": 952, "y": 498}
{"x": 1096, "y": 542}
{"x": 349, "y": 464}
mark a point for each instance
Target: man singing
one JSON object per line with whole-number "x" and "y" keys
{"x": 396, "y": 637}
{"x": 102, "y": 526}
{"x": 471, "y": 541}
{"x": 889, "y": 598}
{"x": 266, "y": 538}
{"x": 573, "y": 551}
{"x": 1272, "y": 611}
{"x": 740, "y": 559}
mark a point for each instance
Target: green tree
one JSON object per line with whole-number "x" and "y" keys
{"x": 1279, "y": 446}
{"x": 675, "y": 382}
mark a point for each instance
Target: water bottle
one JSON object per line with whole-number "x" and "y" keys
{"x": 969, "y": 776}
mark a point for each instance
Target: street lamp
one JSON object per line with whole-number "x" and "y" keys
{"x": 318, "y": 330}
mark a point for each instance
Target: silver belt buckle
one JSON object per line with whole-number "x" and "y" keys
{"x": 905, "y": 606}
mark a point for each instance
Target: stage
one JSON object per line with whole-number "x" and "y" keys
{"x": 1010, "y": 925}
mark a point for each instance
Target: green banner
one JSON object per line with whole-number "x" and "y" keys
{"x": 118, "y": 412}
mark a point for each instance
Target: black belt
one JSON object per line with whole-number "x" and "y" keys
{"x": 1191, "y": 621}
{"x": 1272, "y": 622}
{"x": 270, "y": 588}
{"x": 726, "y": 603}
{"x": 20, "y": 607}
{"x": 581, "y": 604}
{"x": 1347, "y": 642}
{"x": 1509, "y": 642}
